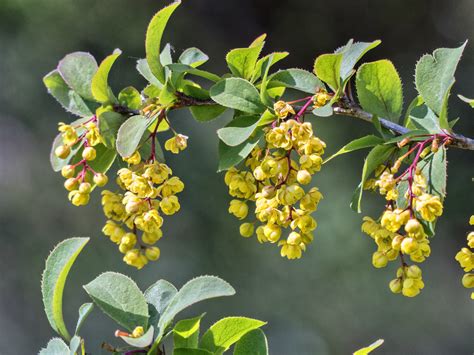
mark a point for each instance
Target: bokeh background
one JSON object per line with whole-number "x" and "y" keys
{"x": 330, "y": 302}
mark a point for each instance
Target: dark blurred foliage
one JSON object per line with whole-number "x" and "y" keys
{"x": 330, "y": 302}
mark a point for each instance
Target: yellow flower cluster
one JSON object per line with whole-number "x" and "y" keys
{"x": 149, "y": 188}
{"x": 400, "y": 232}
{"x": 465, "y": 257}
{"x": 80, "y": 177}
{"x": 274, "y": 181}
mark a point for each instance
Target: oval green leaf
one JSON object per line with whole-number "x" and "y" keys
{"x": 238, "y": 94}
{"x": 100, "y": 81}
{"x": 130, "y": 133}
{"x": 252, "y": 343}
{"x": 77, "y": 69}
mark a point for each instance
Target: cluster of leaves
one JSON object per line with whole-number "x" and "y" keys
{"x": 153, "y": 311}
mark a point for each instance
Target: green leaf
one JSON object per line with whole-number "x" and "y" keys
{"x": 56, "y": 346}
{"x": 190, "y": 351}
{"x": 324, "y": 111}
{"x": 56, "y": 163}
{"x": 379, "y": 89}
{"x": 158, "y": 297}
{"x": 264, "y": 96}
{"x": 130, "y": 97}
{"x": 227, "y": 331}
{"x": 352, "y": 54}
{"x": 153, "y": 40}
{"x": 109, "y": 124}
{"x": 105, "y": 159}
{"x": 57, "y": 268}
{"x": 130, "y": 134}
{"x": 467, "y": 100}
{"x": 327, "y": 67}
{"x": 194, "y": 291}
{"x": 84, "y": 312}
{"x": 70, "y": 100}
{"x": 378, "y": 155}
{"x": 186, "y": 332}
{"x": 435, "y": 167}
{"x": 207, "y": 113}
{"x": 183, "y": 68}
{"x": 297, "y": 79}
{"x": 370, "y": 348}
{"x": 252, "y": 343}
{"x": 434, "y": 75}
{"x": 238, "y": 94}
{"x": 443, "y": 115}
{"x": 193, "y": 57}
{"x": 238, "y": 130}
{"x": 242, "y": 61}
{"x": 412, "y": 135}
{"x": 167, "y": 94}
{"x": 144, "y": 69}
{"x": 77, "y": 70}
{"x": 423, "y": 118}
{"x": 100, "y": 81}
{"x": 119, "y": 297}
{"x": 276, "y": 57}
{"x": 231, "y": 156}
{"x": 359, "y": 143}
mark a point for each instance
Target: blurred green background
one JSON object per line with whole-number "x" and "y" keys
{"x": 330, "y": 302}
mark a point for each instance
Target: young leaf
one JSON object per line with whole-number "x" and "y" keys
{"x": 153, "y": 40}
{"x": 140, "y": 342}
{"x": 77, "y": 70}
{"x": 238, "y": 130}
{"x": 197, "y": 290}
{"x": 178, "y": 68}
{"x": 467, "y": 100}
{"x": 190, "y": 351}
{"x": 207, "y": 113}
{"x": 84, "y": 312}
{"x": 56, "y": 346}
{"x": 297, "y": 79}
{"x": 130, "y": 97}
{"x": 144, "y": 69}
{"x": 368, "y": 349}
{"x": 276, "y": 57}
{"x": 252, "y": 343}
{"x": 70, "y": 100}
{"x": 378, "y": 155}
{"x": 230, "y": 156}
{"x": 359, "y": 143}
{"x": 238, "y": 94}
{"x": 119, "y": 297}
{"x": 242, "y": 61}
{"x": 57, "y": 268}
{"x": 226, "y": 332}
{"x": 109, "y": 124}
{"x": 193, "y": 57}
{"x": 186, "y": 332}
{"x": 379, "y": 89}
{"x": 327, "y": 67}
{"x": 130, "y": 133}
{"x": 352, "y": 54}
{"x": 100, "y": 81}
{"x": 434, "y": 75}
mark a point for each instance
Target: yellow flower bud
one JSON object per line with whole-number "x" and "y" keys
{"x": 379, "y": 259}
{"x": 303, "y": 177}
{"x": 89, "y": 153}
{"x": 170, "y": 205}
{"x": 396, "y": 286}
{"x": 152, "y": 238}
{"x": 246, "y": 230}
{"x": 68, "y": 171}
{"x": 468, "y": 280}
{"x": 78, "y": 199}
{"x": 71, "y": 184}
{"x": 100, "y": 179}
{"x": 85, "y": 188}
{"x": 238, "y": 208}
{"x": 138, "y": 332}
{"x": 414, "y": 272}
{"x": 397, "y": 242}
{"x": 152, "y": 253}
{"x": 409, "y": 245}
{"x": 62, "y": 152}
{"x": 272, "y": 232}
{"x": 414, "y": 227}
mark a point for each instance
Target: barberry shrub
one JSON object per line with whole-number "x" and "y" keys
{"x": 270, "y": 150}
